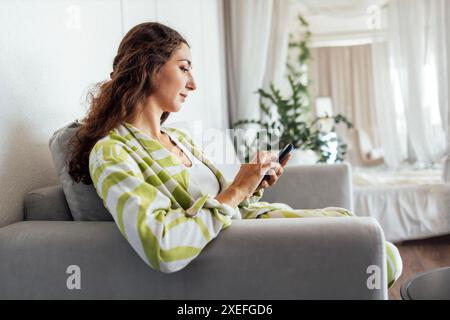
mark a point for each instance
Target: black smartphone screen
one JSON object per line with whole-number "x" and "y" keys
{"x": 286, "y": 150}
{"x": 281, "y": 155}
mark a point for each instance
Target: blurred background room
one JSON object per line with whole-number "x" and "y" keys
{"x": 364, "y": 82}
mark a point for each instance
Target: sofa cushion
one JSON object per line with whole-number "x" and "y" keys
{"x": 84, "y": 202}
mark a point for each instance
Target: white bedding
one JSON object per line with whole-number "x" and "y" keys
{"x": 397, "y": 178}
{"x": 408, "y": 204}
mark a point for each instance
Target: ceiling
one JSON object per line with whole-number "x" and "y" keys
{"x": 338, "y": 8}
{"x": 341, "y": 22}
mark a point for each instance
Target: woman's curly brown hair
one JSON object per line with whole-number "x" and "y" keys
{"x": 141, "y": 55}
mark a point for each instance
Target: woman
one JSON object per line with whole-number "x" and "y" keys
{"x": 166, "y": 197}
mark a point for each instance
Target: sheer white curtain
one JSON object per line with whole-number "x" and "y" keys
{"x": 247, "y": 34}
{"x": 440, "y": 40}
{"x": 278, "y": 44}
{"x": 414, "y": 65}
{"x": 391, "y": 130}
{"x": 256, "y": 36}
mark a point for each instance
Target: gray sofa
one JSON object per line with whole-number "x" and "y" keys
{"x": 313, "y": 258}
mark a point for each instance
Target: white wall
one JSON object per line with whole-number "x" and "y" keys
{"x": 52, "y": 50}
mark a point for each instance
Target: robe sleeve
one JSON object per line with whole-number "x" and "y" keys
{"x": 166, "y": 239}
{"x": 256, "y": 196}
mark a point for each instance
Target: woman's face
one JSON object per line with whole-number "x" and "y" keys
{"x": 174, "y": 81}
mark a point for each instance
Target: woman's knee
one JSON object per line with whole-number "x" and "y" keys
{"x": 394, "y": 263}
{"x": 341, "y": 211}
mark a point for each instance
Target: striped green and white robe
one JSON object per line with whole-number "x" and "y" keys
{"x": 161, "y": 211}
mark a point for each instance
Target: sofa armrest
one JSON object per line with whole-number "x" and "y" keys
{"x": 309, "y": 258}
{"x": 313, "y": 186}
{"x": 47, "y": 203}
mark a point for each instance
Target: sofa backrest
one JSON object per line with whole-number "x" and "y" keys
{"x": 47, "y": 203}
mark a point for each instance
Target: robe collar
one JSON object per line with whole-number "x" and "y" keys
{"x": 187, "y": 189}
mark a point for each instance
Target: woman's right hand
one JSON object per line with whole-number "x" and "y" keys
{"x": 250, "y": 174}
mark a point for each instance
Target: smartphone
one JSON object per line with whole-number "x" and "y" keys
{"x": 281, "y": 155}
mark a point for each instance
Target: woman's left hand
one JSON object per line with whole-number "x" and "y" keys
{"x": 274, "y": 175}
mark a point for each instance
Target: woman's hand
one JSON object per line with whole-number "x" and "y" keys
{"x": 249, "y": 177}
{"x": 275, "y": 174}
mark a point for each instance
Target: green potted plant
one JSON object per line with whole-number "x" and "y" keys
{"x": 290, "y": 119}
